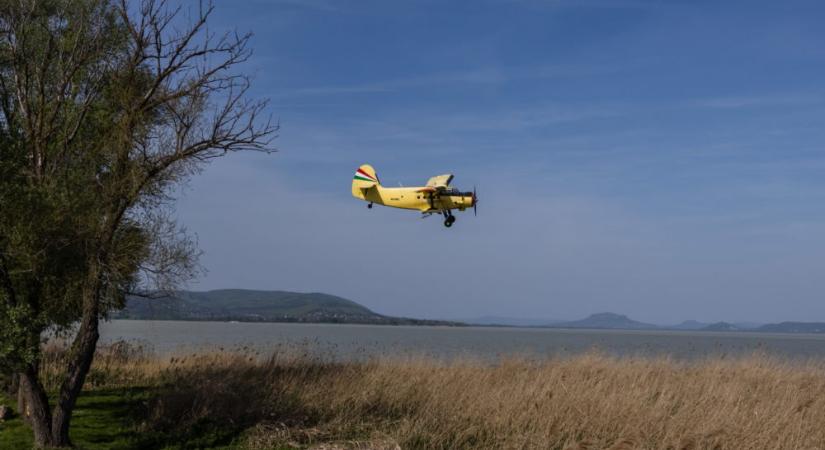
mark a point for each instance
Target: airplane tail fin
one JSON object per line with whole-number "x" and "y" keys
{"x": 364, "y": 179}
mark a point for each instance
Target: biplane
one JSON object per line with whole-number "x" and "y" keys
{"x": 436, "y": 197}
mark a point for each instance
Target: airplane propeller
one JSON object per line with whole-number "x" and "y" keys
{"x": 475, "y": 202}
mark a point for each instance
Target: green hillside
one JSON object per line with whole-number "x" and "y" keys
{"x": 258, "y": 306}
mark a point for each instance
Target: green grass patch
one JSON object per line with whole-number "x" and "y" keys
{"x": 106, "y": 419}
{"x": 109, "y": 419}
{"x": 103, "y": 419}
{"x": 14, "y": 434}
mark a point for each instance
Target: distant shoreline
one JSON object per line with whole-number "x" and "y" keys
{"x": 256, "y": 306}
{"x": 390, "y": 321}
{"x": 768, "y": 329}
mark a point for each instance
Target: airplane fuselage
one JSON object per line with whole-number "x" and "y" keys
{"x": 416, "y": 198}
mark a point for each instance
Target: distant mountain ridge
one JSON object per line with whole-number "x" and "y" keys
{"x": 689, "y": 325}
{"x": 793, "y": 327}
{"x": 606, "y": 320}
{"x": 621, "y": 322}
{"x": 510, "y": 321}
{"x": 722, "y": 326}
{"x": 245, "y": 305}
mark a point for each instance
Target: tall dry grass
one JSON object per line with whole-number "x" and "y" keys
{"x": 589, "y": 401}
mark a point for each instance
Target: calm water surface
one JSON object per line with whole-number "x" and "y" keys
{"x": 360, "y": 341}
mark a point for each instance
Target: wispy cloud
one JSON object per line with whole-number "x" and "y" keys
{"x": 755, "y": 101}
{"x": 318, "y": 5}
{"x": 612, "y": 4}
{"x": 333, "y": 90}
{"x": 470, "y": 76}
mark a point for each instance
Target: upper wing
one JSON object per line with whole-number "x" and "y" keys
{"x": 440, "y": 181}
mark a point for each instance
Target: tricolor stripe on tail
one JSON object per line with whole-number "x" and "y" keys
{"x": 364, "y": 180}
{"x": 362, "y": 175}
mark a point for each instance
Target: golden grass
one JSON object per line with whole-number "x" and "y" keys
{"x": 588, "y": 401}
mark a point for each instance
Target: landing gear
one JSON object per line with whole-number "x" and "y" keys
{"x": 369, "y": 205}
{"x": 449, "y": 218}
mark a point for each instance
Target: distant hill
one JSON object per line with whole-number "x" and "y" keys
{"x": 259, "y": 306}
{"x": 721, "y": 326}
{"x": 510, "y": 321}
{"x": 747, "y": 325}
{"x": 606, "y": 321}
{"x": 689, "y": 325}
{"x": 245, "y": 305}
{"x": 793, "y": 327}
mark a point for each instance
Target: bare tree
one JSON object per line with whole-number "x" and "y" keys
{"x": 105, "y": 107}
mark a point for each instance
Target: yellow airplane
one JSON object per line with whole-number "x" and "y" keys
{"x": 437, "y": 197}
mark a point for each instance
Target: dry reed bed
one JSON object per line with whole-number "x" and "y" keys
{"x": 588, "y": 401}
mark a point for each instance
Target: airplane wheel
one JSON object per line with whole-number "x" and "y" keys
{"x": 448, "y": 223}
{"x": 451, "y": 219}
{"x": 369, "y": 205}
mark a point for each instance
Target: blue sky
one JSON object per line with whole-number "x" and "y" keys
{"x": 659, "y": 159}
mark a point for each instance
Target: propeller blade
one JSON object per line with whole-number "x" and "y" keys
{"x": 475, "y": 202}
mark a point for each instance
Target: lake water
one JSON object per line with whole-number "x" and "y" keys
{"x": 362, "y": 341}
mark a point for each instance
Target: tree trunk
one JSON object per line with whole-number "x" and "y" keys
{"x": 22, "y": 407}
{"x": 36, "y": 407}
{"x": 13, "y": 385}
{"x": 82, "y": 354}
